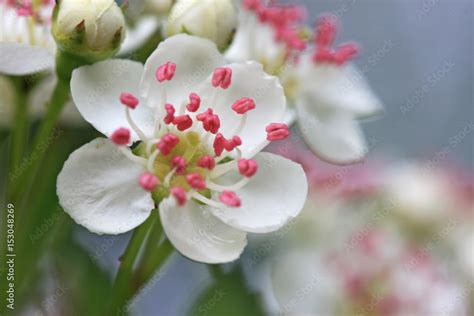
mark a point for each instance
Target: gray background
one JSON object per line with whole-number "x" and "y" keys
{"x": 417, "y": 55}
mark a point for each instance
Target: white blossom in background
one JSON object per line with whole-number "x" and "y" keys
{"x": 26, "y": 44}
{"x": 212, "y": 19}
{"x": 198, "y": 126}
{"x": 328, "y": 93}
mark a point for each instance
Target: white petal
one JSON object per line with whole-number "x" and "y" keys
{"x": 96, "y": 91}
{"x": 195, "y": 59}
{"x": 341, "y": 88}
{"x": 249, "y": 81}
{"x": 198, "y": 235}
{"x": 274, "y": 196}
{"x": 333, "y": 136}
{"x": 22, "y": 59}
{"x": 41, "y": 95}
{"x": 98, "y": 187}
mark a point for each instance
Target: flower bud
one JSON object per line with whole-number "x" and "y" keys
{"x": 158, "y": 7}
{"x": 92, "y": 29}
{"x": 212, "y": 19}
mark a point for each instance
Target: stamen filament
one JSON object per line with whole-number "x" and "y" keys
{"x": 166, "y": 181}
{"x": 132, "y": 157}
{"x": 205, "y": 200}
{"x": 234, "y": 187}
{"x": 151, "y": 161}
{"x": 134, "y": 126}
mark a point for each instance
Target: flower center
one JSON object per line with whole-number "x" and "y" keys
{"x": 187, "y": 153}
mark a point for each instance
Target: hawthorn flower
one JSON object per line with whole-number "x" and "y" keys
{"x": 328, "y": 93}
{"x": 197, "y": 127}
{"x": 26, "y": 44}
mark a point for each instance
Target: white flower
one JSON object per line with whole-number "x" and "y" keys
{"x": 26, "y": 45}
{"x": 201, "y": 168}
{"x": 329, "y": 93}
{"x": 212, "y": 19}
{"x": 89, "y": 28}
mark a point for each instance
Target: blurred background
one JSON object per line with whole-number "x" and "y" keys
{"x": 393, "y": 235}
{"x": 417, "y": 56}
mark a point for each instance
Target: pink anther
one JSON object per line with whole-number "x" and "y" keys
{"x": 129, "y": 100}
{"x": 194, "y": 102}
{"x": 247, "y": 167}
{"x": 148, "y": 181}
{"x": 277, "y": 131}
{"x": 196, "y": 181}
{"x": 166, "y": 72}
{"x": 121, "y": 137}
{"x": 222, "y": 77}
{"x": 243, "y": 105}
{"x": 229, "y": 198}
{"x": 326, "y": 29}
{"x": 170, "y": 110}
{"x": 183, "y": 122}
{"x": 179, "y": 194}
{"x": 167, "y": 143}
{"x": 210, "y": 121}
{"x": 345, "y": 53}
{"x": 207, "y": 162}
{"x": 180, "y": 164}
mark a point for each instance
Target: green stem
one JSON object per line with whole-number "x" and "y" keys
{"x": 20, "y": 128}
{"x": 65, "y": 64}
{"x": 122, "y": 289}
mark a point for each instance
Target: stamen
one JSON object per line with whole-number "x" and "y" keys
{"x": 151, "y": 161}
{"x": 139, "y": 160}
{"x": 234, "y": 187}
{"x": 247, "y": 167}
{"x": 167, "y": 143}
{"x": 150, "y": 144}
{"x": 207, "y": 162}
{"x": 219, "y": 143}
{"x": 167, "y": 179}
{"x": 134, "y": 126}
{"x": 277, "y": 131}
{"x": 252, "y": 5}
{"x": 129, "y": 100}
{"x": 194, "y": 102}
{"x": 229, "y": 198}
{"x": 183, "y": 122}
{"x": 148, "y": 182}
{"x": 170, "y": 110}
{"x": 179, "y": 194}
{"x": 210, "y": 121}
{"x": 346, "y": 53}
{"x": 196, "y": 181}
{"x": 121, "y": 137}
{"x": 326, "y": 31}
{"x": 205, "y": 200}
{"x": 180, "y": 164}
{"x": 243, "y": 105}
{"x": 222, "y": 77}
{"x": 166, "y": 72}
